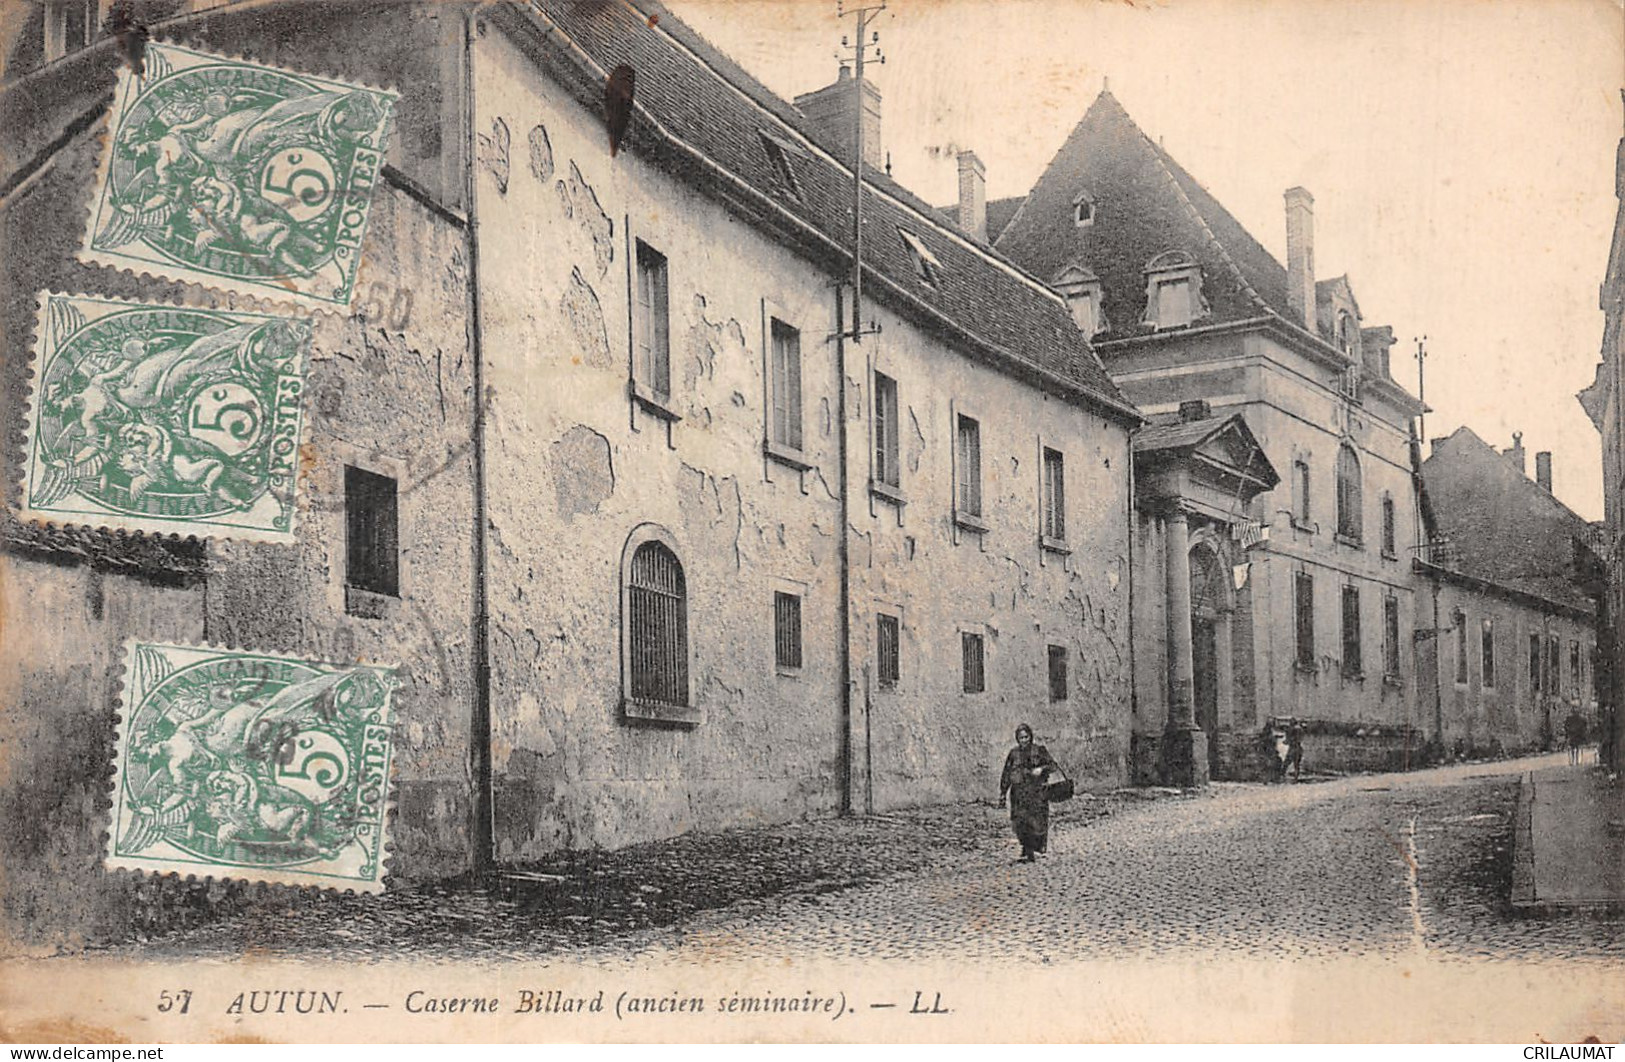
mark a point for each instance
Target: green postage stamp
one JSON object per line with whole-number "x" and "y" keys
{"x": 237, "y": 176}
{"x": 165, "y": 418}
{"x": 235, "y": 764}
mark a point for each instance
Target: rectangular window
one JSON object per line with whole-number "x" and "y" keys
{"x": 1390, "y": 532}
{"x": 1300, "y": 491}
{"x": 652, "y": 324}
{"x": 1054, "y": 495}
{"x": 1534, "y": 663}
{"x": 1303, "y": 607}
{"x": 1352, "y": 664}
{"x": 887, "y": 651}
{"x": 786, "y": 385}
{"x": 1390, "y": 637}
{"x": 1554, "y": 672}
{"x": 786, "y": 630}
{"x": 1174, "y": 306}
{"x": 371, "y": 543}
{"x": 970, "y": 466}
{"x": 971, "y": 652}
{"x": 1574, "y": 668}
{"x": 1461, "y": 648}
{"x": 1487, "y": 634}
{"x": 887, "y": 434}
{"x": 1057, "y": 673}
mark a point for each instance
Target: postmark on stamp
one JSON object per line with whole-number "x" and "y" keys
{"x": 246, "y": 765}
{"x": 237, "y": 176}
{"x": 165, "y": 418}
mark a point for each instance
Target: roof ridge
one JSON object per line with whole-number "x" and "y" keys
{"x": 1163, "y": 160}
{"x": 919, "y": 207}
{"x": 1077, "y": 130}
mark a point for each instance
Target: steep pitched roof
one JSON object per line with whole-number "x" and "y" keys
{"x": 1501, "y": 525}
{"x": 1145, "y": 203}
{"x": 697, "y": 112}
{"x": 1228, "y": 439}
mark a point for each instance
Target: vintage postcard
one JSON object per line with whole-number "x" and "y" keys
{"x": 238, "y": 176}
{"x": 881, "y": 521}
{"x": 162, "y": 418}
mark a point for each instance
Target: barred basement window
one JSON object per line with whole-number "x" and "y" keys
{"x": 887, "y": 651}
{"x": 1057, "y": 673}
{"x": 371, "y": 542}
{"x": 1390, "y": 635}
{"x": 1488, "y": 636}
{"x": 1353, "y": 665}
{"x": 786, "y": 630}
{"x": 1303, "y": 600}
{"x": 657, "y": 626}
{"x": 972, "y": 655}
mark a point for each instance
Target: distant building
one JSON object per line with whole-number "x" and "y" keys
{"x": 1314, "y": 622}
{"x": 1508, "y": 580}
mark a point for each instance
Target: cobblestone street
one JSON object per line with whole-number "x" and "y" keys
{"x": 1319, "y": 869}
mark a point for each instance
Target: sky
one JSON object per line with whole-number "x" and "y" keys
{"x": 1460, "y": 152}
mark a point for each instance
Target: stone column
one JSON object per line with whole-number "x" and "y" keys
{"x": 1184, "y": 746}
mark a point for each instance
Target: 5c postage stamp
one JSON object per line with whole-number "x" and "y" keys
{"x": 165, "y": 418}
{"x": 237, "y": 176}
{"x": 236, "y": 764}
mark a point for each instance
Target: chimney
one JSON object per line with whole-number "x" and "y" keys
{"x": 830, "y": 111}
{"x": 973, "y": 195}
{"x": 1194, "y": 409}
{"x": 1300, "y": 256}
{"x": 1514, "y": 453}
{"x": 1543, "y": 469}
{"x": 1376, "y": 344}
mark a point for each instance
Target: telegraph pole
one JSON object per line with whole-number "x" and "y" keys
{"x": 859, "y": 43}
{"x": 1421, "y": 385}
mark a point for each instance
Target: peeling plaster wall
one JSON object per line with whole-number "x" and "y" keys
{"x": 575, "y": 468}
{"x": 389, "y": 388}
{"x": 577, "y": 465}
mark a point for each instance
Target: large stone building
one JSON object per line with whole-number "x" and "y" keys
{"x": 680, "y": 539}
{"x": 1313, "y": 622}
{"x": 1602, "y": 403}
{"x": 1508, "y": 584}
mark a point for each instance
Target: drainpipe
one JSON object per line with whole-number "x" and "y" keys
{"x": 1133, "y": 672}
{"x": 482, "y": 827}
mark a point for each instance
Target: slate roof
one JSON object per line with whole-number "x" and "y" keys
{"x": 1176, "y": 438}
{"x": 1502, "y": 526}
{"x": 694, "y": 105}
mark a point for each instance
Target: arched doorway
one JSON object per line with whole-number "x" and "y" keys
{"x": 1210, "y": 647}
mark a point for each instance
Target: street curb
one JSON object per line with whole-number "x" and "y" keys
{"x": 1523, "y": 848}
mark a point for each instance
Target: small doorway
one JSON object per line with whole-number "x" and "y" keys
{"x": 1205, "y": 684}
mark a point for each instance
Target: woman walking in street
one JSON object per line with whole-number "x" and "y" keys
{"x": 1023, "y": 782}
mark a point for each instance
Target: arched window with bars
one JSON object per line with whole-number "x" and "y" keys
{"x": 655, "y": 661}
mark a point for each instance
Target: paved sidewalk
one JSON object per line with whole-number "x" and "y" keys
{"x": 1565, "y": 856}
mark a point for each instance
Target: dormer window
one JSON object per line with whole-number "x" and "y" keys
{"x": 782, "y": 154}
{"x": 926, "y": 265}
{"x": 1083, "y": 294}
{"x": 1173, "y": 292}
{"x": 1083, "y": 210}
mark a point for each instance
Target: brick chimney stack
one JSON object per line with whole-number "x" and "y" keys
{"x": 1515, "y": 453}
{"x": 1300, "y": 256}
{"x": 830, "y": 111}
{"x": 1543, "y": 469}
{"x": 973, "y": 195}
